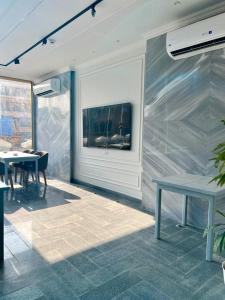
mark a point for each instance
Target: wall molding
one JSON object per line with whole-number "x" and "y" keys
{"x": 195, "y": 17}
{"x": 97, "y": 69}
{"x": 113, "y": 58}
{"x": 112, "y": 167}
{"x": 112, "y": 160}
{"x": 93, "y": 166}
{"x": 54, "y": 73}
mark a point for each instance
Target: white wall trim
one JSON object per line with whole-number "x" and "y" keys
{"x": 54, "y": 73}
{"x": 128, "y": 185}
{"x": 129, "y": 191}
{"x": 111, "y": 59}
{"x": 102, "y": 170}
{"x": 195, "y": 17}
{"x": 109, "y": 66}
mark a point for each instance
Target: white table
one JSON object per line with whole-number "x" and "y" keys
{"x": 194, "y": 186}
{"x": 16, "y": 157}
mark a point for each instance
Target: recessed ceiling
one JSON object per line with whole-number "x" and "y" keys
{"x": 118, "y": 23}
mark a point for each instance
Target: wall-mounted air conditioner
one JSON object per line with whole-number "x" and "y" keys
{"x": 200, "y": 37}
{"x": 47, "y": 88}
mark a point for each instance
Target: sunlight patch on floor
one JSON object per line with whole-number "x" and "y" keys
{"x": 61, "y": 231}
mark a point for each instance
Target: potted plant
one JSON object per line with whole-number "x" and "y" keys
{"x": 219, "y": 228}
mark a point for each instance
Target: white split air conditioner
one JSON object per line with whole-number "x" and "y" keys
{"x": 47, "y": 88}
{"x": 203, "y": 36}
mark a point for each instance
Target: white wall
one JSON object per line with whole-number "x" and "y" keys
{"x": 114, "y": 80}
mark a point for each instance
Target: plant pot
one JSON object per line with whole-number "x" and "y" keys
{"x": 223, "y": 267}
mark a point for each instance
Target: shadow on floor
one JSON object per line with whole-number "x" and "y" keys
{"x": 114, "y": 196}
{"x": 34, "y": 198}
{"x": 134, "y": 266}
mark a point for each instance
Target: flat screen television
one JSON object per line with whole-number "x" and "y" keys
{"x": 108, "y": 126}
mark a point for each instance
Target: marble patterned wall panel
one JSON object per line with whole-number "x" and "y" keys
{"x": 184, "y": 103}
{"x": 53, "y": 129}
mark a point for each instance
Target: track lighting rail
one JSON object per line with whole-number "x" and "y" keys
{"x": 44, "y": 40}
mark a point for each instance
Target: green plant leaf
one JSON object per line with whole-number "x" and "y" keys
{"x": 217, "y": 243}
{"x": 221, "y": 246}
{"x": 220, "y": 212}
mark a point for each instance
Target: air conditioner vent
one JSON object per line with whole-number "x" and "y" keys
{"x": 47, "y": 88}
{"x": 206, "y": 35}
{"x": 204, "y": 45}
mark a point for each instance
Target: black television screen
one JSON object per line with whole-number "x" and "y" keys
{"x": 108, "y": 126}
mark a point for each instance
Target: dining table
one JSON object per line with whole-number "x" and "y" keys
{"x": 8, "y": 157}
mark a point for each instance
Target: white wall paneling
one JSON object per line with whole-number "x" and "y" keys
{"x": 111, "y": 83}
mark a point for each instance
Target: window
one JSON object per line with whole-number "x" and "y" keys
{"x": 15, "y": 115}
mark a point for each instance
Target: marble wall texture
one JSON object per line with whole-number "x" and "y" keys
{"x": 183, "y": 104}
{"x": 53, "y": 129}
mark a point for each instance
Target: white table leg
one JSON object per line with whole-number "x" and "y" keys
{"x": 210, "y": 236}
{"x": 184, "y": 211}
{"x": 6, "y": 172}
{"x": 158, "y": 212}
{"x": 36, "y": 170}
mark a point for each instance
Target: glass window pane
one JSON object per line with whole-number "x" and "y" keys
{"x": 15, "y": 115}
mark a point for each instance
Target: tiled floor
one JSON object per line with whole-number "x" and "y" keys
{"x": 76, "y": 243}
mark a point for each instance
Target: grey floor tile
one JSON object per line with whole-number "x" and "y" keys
{"x": 15, "y": 244}
{"x": 145, "y": 291}
{"x": 128, "y": 295}
{"x": 27, "y": 293}
{"x": 159, "y": 250}
{"x": 56, "y": 289}
{"x": 28, "y": 261}
{"x": 78, "y": 284}
{"x": 62, "y": 267}
{"x": 92, "y": 252}
{"x": 213, "y": 289}
{"x": 82, "y": 263}
{"x": 132, "y": 266}
{"x": 9, "y": 269}
{"x": 191, "y": 243}
{"x": 113, "y": 287}
{"x": 166, "y": 281}
{"x": 152, "y": 268}
{"x": 127, "y": 263}
{"x": 180, "y": 236}
{"x": 190, "y": 260}
{"x": 114, "y": 255}
{"x": 116, "y": 243}
{"x": 170, "y": 229}
{"x": 100, "y": 276}
{"x": 13, "y": 284}
{"x": 196, "y": 278}
{"x": 7, "y": 253}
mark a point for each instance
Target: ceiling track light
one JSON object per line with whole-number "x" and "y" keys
{"x": 45, "y": 39}
{"x": 16, "y": 61}
{"x": 93, "y": 11}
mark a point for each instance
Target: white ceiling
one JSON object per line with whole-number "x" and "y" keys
{"x": 118, "y": 23}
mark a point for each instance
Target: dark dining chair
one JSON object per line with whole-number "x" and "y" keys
{"x": 2, "y": 174}
{"x": 17, "y": 166}
{"x": 29, "y": 167}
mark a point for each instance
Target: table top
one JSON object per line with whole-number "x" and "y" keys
{"x": 191, "y": 182}
{"x": 3, "y": 186}
{"x": 16, "y": 154}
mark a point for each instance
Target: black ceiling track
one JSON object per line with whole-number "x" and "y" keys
{"x": 43, "y": 41}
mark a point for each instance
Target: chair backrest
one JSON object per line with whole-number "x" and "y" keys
{"x": 2, "y": 169}
{"x": 43, "y": 160}
{"x": 30, "y": 151}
